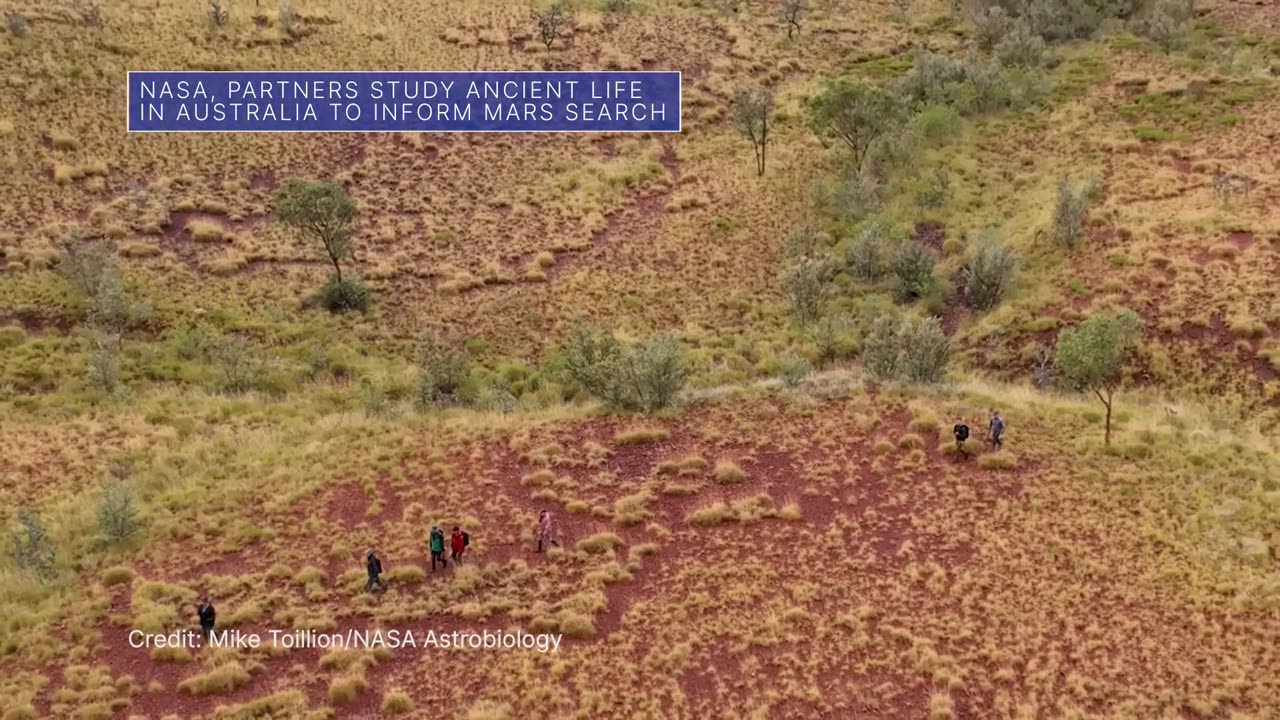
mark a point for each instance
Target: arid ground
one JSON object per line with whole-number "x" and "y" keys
{"x": 794, "y": 536}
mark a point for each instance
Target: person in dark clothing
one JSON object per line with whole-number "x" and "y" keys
{"x": 457, "y": 544}
{"x": 962, "y": 433}
{"x": 996, "y": 430}
{"x": 207, "y": 616}
{"x": 374, "y": 566}
{"x": 437, "y": 548}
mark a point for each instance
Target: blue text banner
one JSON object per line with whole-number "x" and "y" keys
{"x": 348, "y": 101}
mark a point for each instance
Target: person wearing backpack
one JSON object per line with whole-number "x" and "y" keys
{"x": 374, "y": 566}
{"x": 437, "y": 548}
{"x": 207, "y": 616}
{"x": 458, "y": 543}
{"x": 962, "y": 433}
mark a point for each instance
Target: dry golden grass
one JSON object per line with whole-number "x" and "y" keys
{"x": 724, "y": 560}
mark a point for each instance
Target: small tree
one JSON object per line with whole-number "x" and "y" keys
{"x": 1090, "y": 357}
{"x": 219, "y": 12}
{"x": 791, "y": 11}
{"x": 1071, "y": 211}
{"x": 31, "y": 548}
{"x": 551, "y": 22}
{"x": 320, "y": 211}
{"x": 992, "y": 270}
{"x": 806, "y": 284}
{"x": 751, "y": 116}
{"x": 857, "y": 114}
{"x": 117, "y": 515}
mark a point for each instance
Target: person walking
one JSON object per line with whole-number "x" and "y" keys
{"x": 207, "y": 616}
{"x": 437, "y": 548}
{"x": 546, "y": 530}
{"x": 374, "y": 566}
{"x": 961, "y": 431}
{"x": 996, "y": 430}
{"x": 457, "y": 544}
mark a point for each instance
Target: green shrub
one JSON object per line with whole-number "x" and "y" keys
{"x": 793, "y": 370}
{"x": 650, "y": 375}
{"x": 864, "y": 255}
{"x": 934, "y": 189}
{"x": 830, "y": 336}
{"x": 342, "y": 294}
{"x": 104, "y": 361}
{"x": 915, "y": 350}
{"x": 925, "y": 350}
{"x": 991, "y": 272}
{"x": 880, "y": 348}
{"x": 801, "y": 242}
{"x": 241, "y": 365}
{"x": 851, "y": 195}
{"x": 990, "y": 26}
{"x": 83, "y": 266}
{"x": 193, "y": 343}
{"x": 442, "y": 369}
{"x": 936, "y": 124}
{"x": 1164, "y": 23}
{"x": 32, "y": 549}
{"x": 1071, "y": 211}
{"x": 912, "y": 270}
{"x": 806, "y": 283}
{"x": 1063, "y": 19}
{"x": 1020, "y": 47}
{"x": 645, "y": 376}
{"x": 117, "y": 515}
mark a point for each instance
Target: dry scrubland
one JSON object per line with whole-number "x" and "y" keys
{"x": 764, "y": 550}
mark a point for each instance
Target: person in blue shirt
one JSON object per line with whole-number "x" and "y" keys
{"x": 996, "y": 430}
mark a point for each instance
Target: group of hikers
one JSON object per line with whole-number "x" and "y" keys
{"x": 459, "y": 539}
{"x": 458, "y": 542}
{"x": 995, "y": 431}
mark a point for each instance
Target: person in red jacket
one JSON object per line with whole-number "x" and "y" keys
{"x": 457, "y": 544}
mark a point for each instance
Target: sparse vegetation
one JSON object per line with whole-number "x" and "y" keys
{"x": 751, "y": 111}
{"x": 1071, "y": 212}
{"x": 795, "y": 502}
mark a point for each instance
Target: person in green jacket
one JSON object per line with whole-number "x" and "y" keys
{"x": 437, "y": 548}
